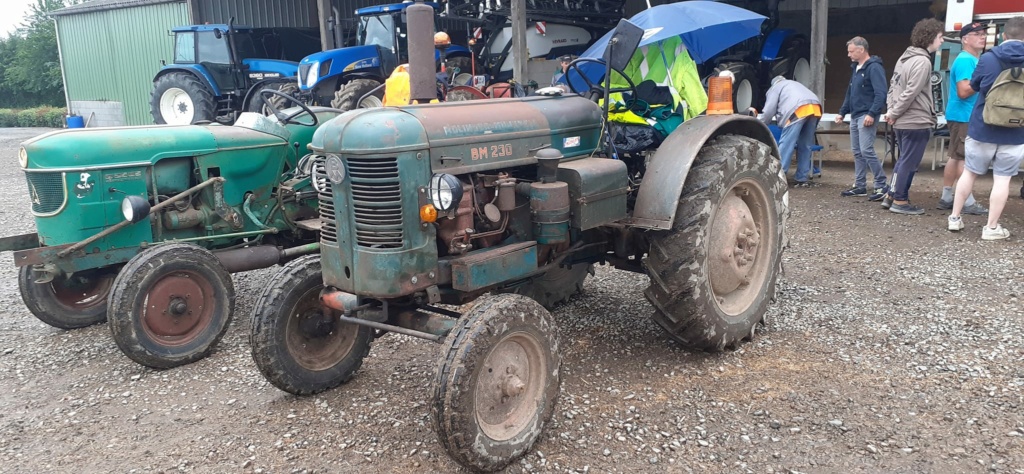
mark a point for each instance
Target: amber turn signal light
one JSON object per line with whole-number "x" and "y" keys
{"x": 719, "y": 95}
{"x": 428, "y": 213}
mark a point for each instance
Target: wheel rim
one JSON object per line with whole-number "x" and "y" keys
{"x": 178, "y": 308}
{"x": 370, "y": 102}
{"x": 176, "y": 106}
{"x": 744, "y": 95}
{"x": 316, "y": 344}
{"x": 511, "y": 382}
{"x": 740, "y": 244}
{"x": 802, "y": 71}
{"x": 81, "y": 293}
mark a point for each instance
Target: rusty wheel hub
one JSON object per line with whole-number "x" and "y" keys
{"x": 82, "y": 292}
{"x": 510, "y": 385}
{"x": 315, "y": 339}
{"x": 178, "y": 308}
{"x": 739, "y": 244}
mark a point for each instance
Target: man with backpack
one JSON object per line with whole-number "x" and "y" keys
{"x": 995, "y": 133}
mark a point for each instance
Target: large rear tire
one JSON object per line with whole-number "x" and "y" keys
{"x": 68, "y": 302}
{"x": 296, "y": 343}
{"x": 714, "y": 273}
{"x": 746, "y": 91}
{"x": 347, "y": 98}
{"x": 497, "y": 382}
{"x": 179, "y": 98}
{"x": 171, "y": 305}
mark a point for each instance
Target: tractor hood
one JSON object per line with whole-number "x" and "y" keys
{"x": 118, "y": 146}
{"x": 260, "y": 69}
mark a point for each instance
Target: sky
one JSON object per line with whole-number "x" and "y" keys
{"x": 13, "y": 14}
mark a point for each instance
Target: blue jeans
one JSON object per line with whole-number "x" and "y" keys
{"x": 798, "y": 136}
{"x": 862, "y": 141}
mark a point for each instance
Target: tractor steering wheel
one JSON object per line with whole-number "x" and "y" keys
{"x": 597, "y": 90}
{"x": 267, "y": 94}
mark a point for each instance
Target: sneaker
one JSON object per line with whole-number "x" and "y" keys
{"x": 804, "y": 184}
{"x": 998, "y": 233}
{"x": 879, "y": 194}
{"x": 886, "y": 201}
{"x": 854, "y": 192}
{"x": 945, "y": 205}
{"x": 908, "y": 209}
{"x": 955, "y": 224}
{"x": 816, "y": 172}
{"x": 975, "y": 210}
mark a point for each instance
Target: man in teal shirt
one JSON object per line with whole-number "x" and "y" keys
{"x": 958, "y": 113}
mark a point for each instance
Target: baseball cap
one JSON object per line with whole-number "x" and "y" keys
{"x": 567, "y": 58}
{"x": 972, "y": 27}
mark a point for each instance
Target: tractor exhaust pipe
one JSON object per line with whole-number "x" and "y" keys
{"x": 422, "y": 69}
{"x": 260, "y": 256}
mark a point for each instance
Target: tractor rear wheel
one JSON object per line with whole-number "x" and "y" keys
{"x": 497, "y": 382}
{"x": 71, "y": 302}
{"x": 714, "y": 273}
{"x": 347, "y": 98}
{"x": 296, "y": 342}
{"x": 257, "y": 105}
{"x": 181, "y": 99}
{"x": 746, "y": 91}
{"x": 170, "y": 305}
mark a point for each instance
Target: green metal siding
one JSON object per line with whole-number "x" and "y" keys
{"x": 113, "y": 55}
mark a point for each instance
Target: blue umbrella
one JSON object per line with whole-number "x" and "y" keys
{"x": 706, "y": 29}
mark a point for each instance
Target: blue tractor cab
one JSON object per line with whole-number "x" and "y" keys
{"x": 213, "y": 70}
{"x": 345, "y": 77}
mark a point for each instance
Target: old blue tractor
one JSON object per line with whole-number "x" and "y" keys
{"x": 217, "y": 69}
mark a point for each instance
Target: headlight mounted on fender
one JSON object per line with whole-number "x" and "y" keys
{"x": 23, "y": 157}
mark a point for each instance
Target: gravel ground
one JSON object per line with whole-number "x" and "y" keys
{"x": 895, "y": 346}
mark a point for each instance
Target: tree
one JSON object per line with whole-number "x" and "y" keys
{"x": 29, "y": 64}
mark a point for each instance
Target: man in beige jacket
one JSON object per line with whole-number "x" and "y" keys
{"x": 911, "y": 111}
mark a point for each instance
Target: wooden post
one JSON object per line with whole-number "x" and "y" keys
{"x": 194, "y": 13}
{"x": 323, "y": 7}
{"x": 819, "y": 39}
{"x": 519, "y": 41}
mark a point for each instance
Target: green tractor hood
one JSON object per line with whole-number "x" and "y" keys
{"x": 126, "y": 146}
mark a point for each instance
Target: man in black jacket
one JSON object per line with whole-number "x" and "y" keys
{"x": 865, "y": 99}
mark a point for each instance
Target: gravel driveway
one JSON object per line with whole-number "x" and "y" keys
{"x": 895, "y": 346}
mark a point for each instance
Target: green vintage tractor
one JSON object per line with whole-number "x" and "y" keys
{"x": 142, "y": 225}
{"x": 510, "y": 202}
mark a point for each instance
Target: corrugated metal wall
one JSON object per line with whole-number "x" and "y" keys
{"x": 112, "y": 55}
{"x": 260, "y": 13}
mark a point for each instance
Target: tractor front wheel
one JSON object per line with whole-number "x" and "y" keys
{"x": 297, "y": 343}
{"x": 714, "y": 273}
{"x": 170, "y": 305}
{"x": 68, "y": 302}
{"x": 257, "y": 104}
{"x": 181, "y": 99}
{"x": 348, "y": 97}
{"x": 497, "y": 382}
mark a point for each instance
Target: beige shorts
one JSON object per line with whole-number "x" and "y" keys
{"x": 957, "y": 138}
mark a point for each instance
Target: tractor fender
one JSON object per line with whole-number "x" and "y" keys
{"x": 773, "y": 43}
{"x": 194, "y": 69}
{"x": 658, "y": 199}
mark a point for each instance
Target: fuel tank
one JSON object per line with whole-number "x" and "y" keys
{"x": 469, "y": 136}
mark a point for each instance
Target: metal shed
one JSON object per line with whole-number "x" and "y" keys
{"x": 109, "y": 51}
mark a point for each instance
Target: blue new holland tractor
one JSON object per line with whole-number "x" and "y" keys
{"x": 215, "y": 70}
{"x": 345, "y": 77}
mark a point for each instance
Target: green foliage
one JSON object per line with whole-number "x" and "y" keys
{"x": 52, "y": 117}
{"x": 29, "y": 63}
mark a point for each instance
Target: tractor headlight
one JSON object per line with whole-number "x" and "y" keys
{"x": 445, "y": 192}
{"x": 23, "y": 157}
{"x": 134, "y": 208}
{"x": 312, "y": 76}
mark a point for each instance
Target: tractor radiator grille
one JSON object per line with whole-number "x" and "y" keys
{"x": 303, "y": 70}
{"x": 47, "y": 192}
{"x": 376, "y": 202}
{"x": 328, "y": 226}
